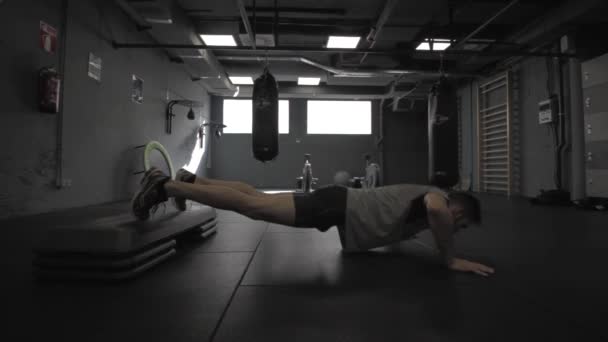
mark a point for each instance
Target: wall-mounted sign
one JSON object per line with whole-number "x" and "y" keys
{"x": 94, "y": 70}
{"x": 48, "y": 37}
{"x": 137, "y": 89}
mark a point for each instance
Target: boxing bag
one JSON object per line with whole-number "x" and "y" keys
{"x": 265, "y": 130}
{"x": 443, "y": 135}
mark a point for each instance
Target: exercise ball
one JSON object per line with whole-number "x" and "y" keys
{"x": 341, "y": 178}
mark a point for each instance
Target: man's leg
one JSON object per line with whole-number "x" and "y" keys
{"x": 188, "y": 177}
{"x": 276, "y": 208}
{"x": 239, "y": 186}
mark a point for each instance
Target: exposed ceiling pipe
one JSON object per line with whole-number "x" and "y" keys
{"x": 214, "y": 64}
{"x": 245, "y": 19}
{"x": 547, "y": 27}
{"x": 182, "y": 30}
{"x": 139, "y": 21}
{"x": 388, "y": 52}
{"x": 331, "y": 23}
{"x": 300, "y": 10}
{"x": 463, "y": 41}
{"x": 394, "y": 104}
{"x": 330, "y": 69}
{"x": 552, "y": 20}
{"x": 375, "y": 30}
{"x": 339, "y": 92}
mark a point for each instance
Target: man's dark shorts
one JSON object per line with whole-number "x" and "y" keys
{"x": 322, "y": 208}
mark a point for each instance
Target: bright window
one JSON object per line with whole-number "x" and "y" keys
{"x": 238, "y": 115}
{"x": 339, "y": 117}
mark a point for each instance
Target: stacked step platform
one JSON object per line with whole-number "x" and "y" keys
{"x": 112, "y": 245}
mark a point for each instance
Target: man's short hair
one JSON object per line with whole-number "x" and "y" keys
{"x": 470, "y": 204}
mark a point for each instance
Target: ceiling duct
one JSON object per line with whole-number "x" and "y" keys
{"x": 372, "y": 37}
{"x": 155, "y": 16}
{"x": 152, "y": 11}
{"x": 329, "y": 92}
{"x": 340, "y": 72}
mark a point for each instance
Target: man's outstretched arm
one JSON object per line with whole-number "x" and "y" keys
{"x": 442, "y": 226}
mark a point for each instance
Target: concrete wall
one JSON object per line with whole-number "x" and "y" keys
{"x": 536, "y": 143}
{"x": 232, "y": 158}
{"x": 101, "y": 125}
{"x": 537, "y": 152}
{"x": 467, "y": 95}
{"x": 405, "y": 147}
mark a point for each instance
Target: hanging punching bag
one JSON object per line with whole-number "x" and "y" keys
{"x": 443, "y": 135}
{"x": 265, "y": 130}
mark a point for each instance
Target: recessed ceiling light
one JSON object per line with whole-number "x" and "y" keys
{"x": 424, "y": 46}
{"x": 313, "y": 81}
{"x": 342, "y": 42}
{"x": 438, "y": 44}
{"x": 241, "y": 79}
{"x": 218, "y": 39}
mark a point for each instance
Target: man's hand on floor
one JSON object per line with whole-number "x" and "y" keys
{"x": 463, "y": 265}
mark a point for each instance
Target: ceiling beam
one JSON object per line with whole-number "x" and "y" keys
{"x": 376, "y": 29}
{"x": 463, "y": 41}
{"x": 298, "y": 10}
{"x": 286, "y": 25}
{"x": 246, "y": 23}
{"x": 390, "y": 52}
{"x": 549, "y": 23}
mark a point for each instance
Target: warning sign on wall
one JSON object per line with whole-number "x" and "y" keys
{"x": 48, "y": 37}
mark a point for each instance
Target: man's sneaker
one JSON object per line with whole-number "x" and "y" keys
{"x": 187, "y": 177}
{"x": 150, "y": 195}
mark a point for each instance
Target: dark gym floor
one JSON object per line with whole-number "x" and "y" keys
{"x": 255, "y": 281}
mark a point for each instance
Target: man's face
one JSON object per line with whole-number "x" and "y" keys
{"x": 460, "y": 220}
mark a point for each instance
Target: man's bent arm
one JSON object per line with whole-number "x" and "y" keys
{"x": 441, "y": 224}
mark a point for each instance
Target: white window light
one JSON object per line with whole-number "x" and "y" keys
{"x": 238, "y": 116}
{"x": 438, "y": 44}
{"x": 342, "y": 42}
{"x": 241, "y": 79}
{"x": 339, "y": 117}
{"x": 218, "y": 39}
{"x": 311, "y": 81}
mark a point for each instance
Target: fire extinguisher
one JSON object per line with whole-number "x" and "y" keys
{"x": 49, "y": 87}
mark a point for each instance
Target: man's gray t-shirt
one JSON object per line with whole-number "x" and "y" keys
{"x": 377, "y": 217}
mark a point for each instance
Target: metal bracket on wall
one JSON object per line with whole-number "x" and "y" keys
{"x": 217, "y": 126}
{"x": 169, "y": 111}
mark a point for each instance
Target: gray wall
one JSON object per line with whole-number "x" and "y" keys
{"x": 537, "y": 154}
{"x": 405, "y": 147}
{"x": 232, "y": 158}
{"x": 536, "y": 144}
{"x": 467, "y": 95}
{"x": 101, "y": 124}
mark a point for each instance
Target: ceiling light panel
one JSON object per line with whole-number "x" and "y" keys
{"x": 241, "y": 80}
{"x": 342, "y": 42}
{"x": 311, "y": 81}
{"x": 218, "y": 40}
